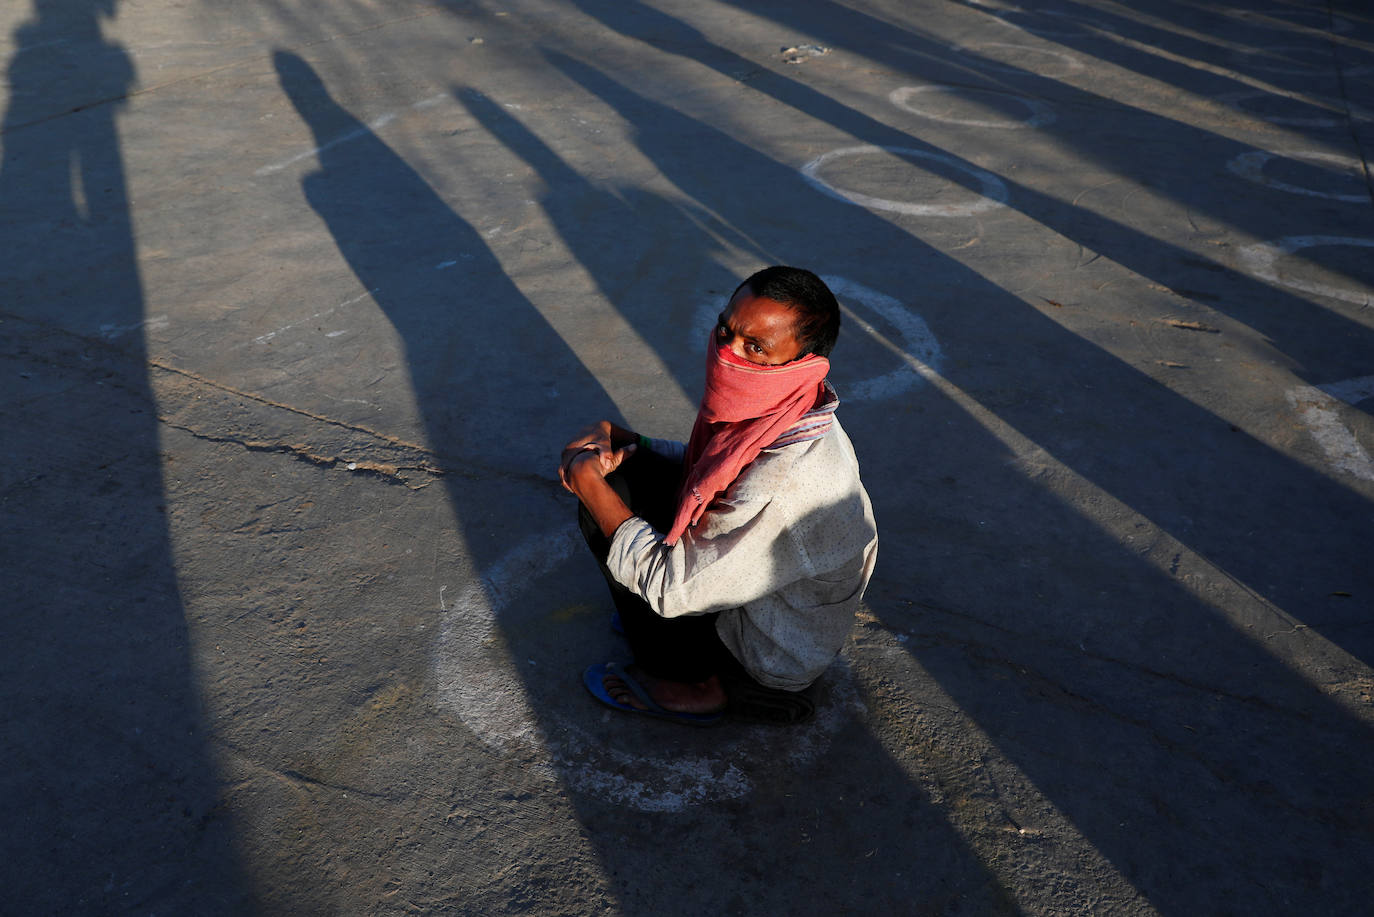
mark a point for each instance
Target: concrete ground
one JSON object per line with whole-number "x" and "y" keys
{"x": 300, "y": 299}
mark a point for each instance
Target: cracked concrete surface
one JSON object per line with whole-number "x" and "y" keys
{"x": 298, "y": 301}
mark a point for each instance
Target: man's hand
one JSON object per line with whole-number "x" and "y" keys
{"x": 605, "y": 436}
{"x": 591, "y": 462}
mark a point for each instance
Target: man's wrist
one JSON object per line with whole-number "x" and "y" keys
{"x": 585, "y": 467}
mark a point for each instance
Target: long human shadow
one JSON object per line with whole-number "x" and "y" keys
{"x": 1209, "y": 508}
{"x": 1207, "y": 740}
{"x": 498, "y": 389}
{"x": 472, "y": 339}
{"x": 496, "y": 384}
{"x": 109, "y": 797}
{"x": 634, "y": 244}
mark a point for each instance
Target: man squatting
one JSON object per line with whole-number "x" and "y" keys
{"x": 735, "y": 561}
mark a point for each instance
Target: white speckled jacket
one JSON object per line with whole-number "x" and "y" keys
{"x": 784, "y": 554}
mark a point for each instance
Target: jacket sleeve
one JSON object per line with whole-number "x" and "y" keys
{"x": 739, "y": 552}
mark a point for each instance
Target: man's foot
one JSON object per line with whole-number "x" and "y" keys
{"x": 675, "y": 696}
{"x": 700, "y": 704}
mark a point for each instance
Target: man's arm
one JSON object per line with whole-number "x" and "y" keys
{"x": 753, "y": 540}
{"x": 585, "y": 476}
{"x": 739, "y": 553}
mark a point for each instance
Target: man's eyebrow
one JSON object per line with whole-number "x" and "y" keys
{"x": 764, "y": 343}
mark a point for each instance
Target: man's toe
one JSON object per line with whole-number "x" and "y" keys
{"x": 620, "y": 692}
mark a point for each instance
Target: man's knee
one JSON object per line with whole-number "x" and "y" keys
{"x": 648, "y": 483}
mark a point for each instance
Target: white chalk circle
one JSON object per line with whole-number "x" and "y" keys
{"x": 915, "y": 348}
{"x": 1067, "y": 62}
{"x": 908, "y": 98}
{"x": 1354, "y": 112}
{"x": 1261, "y": 260}
{"x": 993, "y": 190}
{"x": 478, "y": 681}
{"x": 1084, "y": 26}
{"x": 1257, "y": 59}
{"x": 1250, "y": 166}
{"x": 1284, "y": 19}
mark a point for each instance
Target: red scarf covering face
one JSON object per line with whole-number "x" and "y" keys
{"x": 744, "y": 409}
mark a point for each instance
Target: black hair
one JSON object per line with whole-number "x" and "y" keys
{"x": 818, "y": 313}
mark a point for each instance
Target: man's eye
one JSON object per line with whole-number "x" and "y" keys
{"x": 755, "y": 348}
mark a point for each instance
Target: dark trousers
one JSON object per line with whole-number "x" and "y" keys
{"x": 678, "y": 649}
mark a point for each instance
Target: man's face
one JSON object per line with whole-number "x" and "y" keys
{"x": 759, "y": 330}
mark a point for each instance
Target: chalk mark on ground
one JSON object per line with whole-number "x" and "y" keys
{"x": 1320, "y": 410}
{"x": 1071, "y": 64}
{"x": 1340, "y": 111}
{"x": 1261, "y": 260}
{"x": 905, "y": 98}
{"x": 993, "y": 194}
{"x": 478, "y": 681}
{"x": 1250, "y": 166}
{"x": 370, "y": 127}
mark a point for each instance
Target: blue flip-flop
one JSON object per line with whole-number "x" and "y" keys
{"x": 594, "y": 679}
